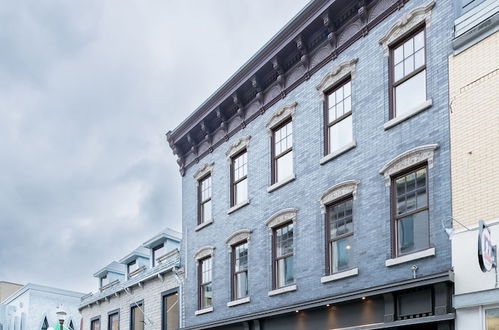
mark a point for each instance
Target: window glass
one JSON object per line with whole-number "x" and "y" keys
{"x": 284, "y": 255}
{"x": 239, "y": 177}
{"x": 171, "y": 312}
{"x": 410, "y": 93}
{"x": 206, "y": 287}
{"x": 339, "y": 127}
{"x": 137, "y": 318}
{"x": 205, "y": 202}
{"x": 340, "y": 134}
{"x": 95, "y": 325}
{"x": 341, "y": 245}
{"x": 492, "y": 319}
{"x": 283, "y": 152}
{"x": 285, "y": 166}
{"x": 411, "y": 203}
{"x": 240, "y": 270}
{"x": 114, "y": 322}
{"x": 157, "y": 252}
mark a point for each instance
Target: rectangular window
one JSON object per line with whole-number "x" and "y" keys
{"x": 95, "y": 324}
{"x": 157, "y": 252}
{"x": 170, "y": 312}
{"x": 282, "y": 152}
{"x": 240, "y": 271}
{"x": 204, "y": 198}
{"x": 204, "y": 280}
{"x": 132, "y": 266}
{"x": 283, "y": 256}
{"x": 104, "y": 280}
{"x": 339, "y": 233}
{"x": 410, "y": 200}
{"x": 492, "y": 319}
{"x": 338, "y": 117}
{"x": 408, "y": 74}
{"x": 137, "y": 317}
{"x": 239, "y": 178}
{"x": 113, "y": 321}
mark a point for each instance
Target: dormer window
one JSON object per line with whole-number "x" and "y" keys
{"x": 158, "y": 252}
{"x": 104, "y": 280}
{"x": 132, "y": 267}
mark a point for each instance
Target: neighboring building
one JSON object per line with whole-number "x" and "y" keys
{"x": 316, "y": 179}
{"x": 8, "y": 288}
{"x": 141, "y": 291}
{"x": 474, "y": 122}
{"x": 34, "y": 307}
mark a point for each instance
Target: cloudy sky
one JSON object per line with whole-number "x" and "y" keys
{"x": 88, "y": 90}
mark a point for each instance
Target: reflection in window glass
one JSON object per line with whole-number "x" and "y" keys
{"x": 339, "y": 117}
{"x": 171, "y": 312}
{"x": 95, "y": 325}
{"x": 137, "y": 317}
{"x": 205, "y": 199}
{"x": 283, "y": 240}
{"x": 114, "y": 322}
{"x": 283, "y": 152}
{"x": 205, "y": 287}
{"x": 492, "y": 319}
{"x": 240, "y": 178}
{"x": 240, "y": 270}
{"x": 340, "y": 235}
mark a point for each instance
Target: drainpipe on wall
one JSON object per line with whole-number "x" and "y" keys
{"x": 179, "y": 275}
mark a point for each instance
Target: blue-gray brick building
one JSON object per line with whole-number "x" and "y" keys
{"x": 315, "y": 181}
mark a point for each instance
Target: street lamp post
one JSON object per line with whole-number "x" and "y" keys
{"x": 61, "y": 316}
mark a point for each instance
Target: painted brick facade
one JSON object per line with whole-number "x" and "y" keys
{"x": 375, "y": 147}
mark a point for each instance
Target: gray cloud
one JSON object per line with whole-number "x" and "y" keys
{"x": 87, "y": 91}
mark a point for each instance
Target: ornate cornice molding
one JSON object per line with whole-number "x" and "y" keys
{"x": 338, "y": 73}
{"x": 407, "y": 159}
{"x": 204, "y": 252}
{"x": 280, "y": 115}
{"x": 406, "y": 23}
{"x": 203, "y": 170}
{"x": 338, "y": 191}
{"x": 281, "y": 217}
{"x": 238, "y": 145}
{"x": 238, "y": 236}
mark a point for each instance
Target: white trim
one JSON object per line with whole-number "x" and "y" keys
{"x": 407, "y": 114}
{"x": 285, "y": 289}
{"x": 238, "y": 206}
{"x": 338, "y": 276}
{"x": 338, "y": 191}
{"x": 238, "y": 302}
{"x": 237, "y": 146}
{"x": 281, "y": 217}
{"x": 338, "y": 152}
{"x": 205, "y": 251}
{"x": 410, "y": 257}
{"x": 203, "y": 311}
{"x": 238, "y": 236}
{"x": 203, "y": 170}
{"x": 279, "y": 184}
{"x": 280, "y": 115}
{"x": 203, "y": 224}
{"x": 337, "y": 74}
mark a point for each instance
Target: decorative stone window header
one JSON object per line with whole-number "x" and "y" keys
{"x": 204, "y": 252}
{"x": 238, "y": 236}
{"x": 281, "y": 115}
{"x": 338, "y": 191}
{"x": 406, "y": 23}
{"x": 337, "y": 74}
{"x": 203, "y": 170}
{"x": 408, "y": 159}
{"x": 281, "y": 217}
{"x": 238, "y": 145}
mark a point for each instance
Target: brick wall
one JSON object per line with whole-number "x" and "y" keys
{"x": 474, "y": 120}
{"x": 375, "y": 147}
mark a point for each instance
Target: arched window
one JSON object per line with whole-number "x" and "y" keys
{"x": 45, "y": 325}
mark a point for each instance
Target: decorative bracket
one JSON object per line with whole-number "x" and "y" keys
{"x": 281, "y": 79}
{"x": 304, "y": 57}
{"x": 223, "y": 125}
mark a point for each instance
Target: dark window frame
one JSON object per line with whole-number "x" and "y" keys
{"x": 200, "y": 201}
{"x": 325, "y": 110}
{"x": 94, "y": 319}
{"x": 391, "y": 66}
{"x": 101, "y": 280}
{"x": 134, "y": 305}
{"x": 202, "y": 284}
{"x": 164, "y": 317}
{"x": 233, "y": 182}
{"x": 329, "y": 240}
{"x": 133, "y": 262}
{"x": 233, "y": 272}
{"x": 393, "y": 207}
{"x": 112, "y": 313}
{"x": 274, "y": 157}
{"x": 275, "y": 259}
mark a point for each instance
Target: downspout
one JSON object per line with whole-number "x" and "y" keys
{"x": 178, "y": 273}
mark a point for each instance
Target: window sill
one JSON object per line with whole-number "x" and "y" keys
{"x": 397, "y": 120}
{"x": 204, "y": 224}
{"x": 340, "y": 275}
{"x": 204, "y": 311}
{"x": 338, "y": 152}
{"x": 410, "y": 257}
{"x": 238, "y": 206}
{"x": 241, "y": 301}
{"x": 278, "y": 185}
{"x": 282, "y": 290}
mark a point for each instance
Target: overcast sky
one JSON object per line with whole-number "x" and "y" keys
{"x": 88, "y": 90}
